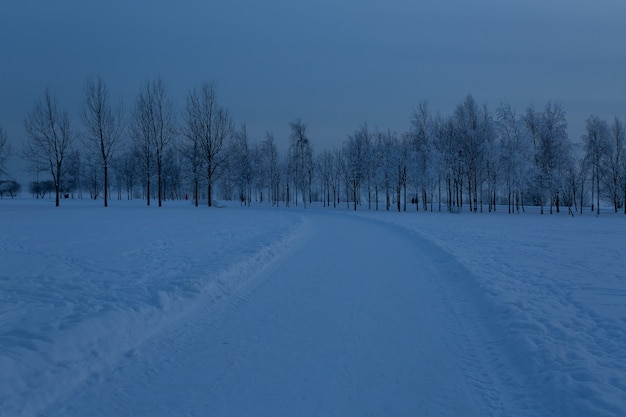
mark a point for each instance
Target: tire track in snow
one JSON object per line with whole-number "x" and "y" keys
{"x": 483, "y": 358}
{"x": 361, "y": 319}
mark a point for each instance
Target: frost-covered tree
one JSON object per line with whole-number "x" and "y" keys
{"x": 300, "y": 159}
{"x": 473, "y": 132}
{"x": 448, "y": 150}
{"x": 270, "y": 167}
{"x": 597, "y": 149}
{"x": 357, "y": 158}
{"x": 386, "y": 141}
{"x": 325, "y": 163}
{"x": 49, "y": 138}
{"x": 516, "y": 156}
{"x": 259, "y": 180}
{"x": 422, "y": 154}
{"x": 615, "y": 180}
{"x": 240, "y": 165}
{"x": 392, "y": 174}
{"x": 555, "y": 150}
{"x": 548, "y": 131}
{"x": 103, "y": 126}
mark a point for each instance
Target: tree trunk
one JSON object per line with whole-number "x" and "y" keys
{"x": 376, "y": 196}
{"x": 106, "y": 185}
{"x": 404, "y": 197}
{"x": 160, "y": 182}
{"x": 398, "y": 190}
{"x": 598, "y": 194}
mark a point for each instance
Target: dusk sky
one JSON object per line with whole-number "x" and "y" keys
{"x": 334, "y": 64}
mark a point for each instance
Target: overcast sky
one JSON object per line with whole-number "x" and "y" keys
{"x": 334, "y": 64}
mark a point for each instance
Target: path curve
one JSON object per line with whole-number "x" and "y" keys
{"x": 361, "y": 319}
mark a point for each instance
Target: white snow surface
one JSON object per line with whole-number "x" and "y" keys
{"x": 145, "y": 311}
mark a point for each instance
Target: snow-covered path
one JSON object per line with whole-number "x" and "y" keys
{"x": 360, "y": 318}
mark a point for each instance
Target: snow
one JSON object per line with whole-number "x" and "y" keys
{"x": 553, "y": 295}
{"x": 135, "y": 310}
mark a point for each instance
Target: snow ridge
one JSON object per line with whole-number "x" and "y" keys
{"x": 67, "y": 312}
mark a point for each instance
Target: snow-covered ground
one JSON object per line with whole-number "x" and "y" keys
{"x": 132, "y": 310}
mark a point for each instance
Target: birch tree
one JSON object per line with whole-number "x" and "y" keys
{"x": 548, "y": 131}
{"x": 423, "y": 153}
{"x": 270, "y": 167}
{"x": 597, "y": 148}
{"x": 516, "y": 156}
{"x": 356, "y": 151}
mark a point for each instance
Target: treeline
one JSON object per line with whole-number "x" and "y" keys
{"x": 471, "y": 158}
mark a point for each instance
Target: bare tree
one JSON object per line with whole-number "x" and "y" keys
{"x": 446, "y": 147}
{"x": 10, "y": 187}
{"x": 142, "y": 132}
{"x": 192, "y": 145}
{"x": 355, "y": 151}
{"x": 103, "y": 125}
{"x": 270, "y": 167}
{"x": 616, "y": 162}
{"x": 153, "y": 128}
{"x": 49, "y": 138}
{"x": 325, "y": 166}
{"x": 300, "y": 157}
{"x": 5, "y": 151}
{"x": 240, "y": 165}
{"x": 209, "y": 126}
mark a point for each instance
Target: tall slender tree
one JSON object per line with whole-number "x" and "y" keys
{"x": 516, "y": 155}
{"x": 597, "y": 148}
{"x": 49, "y": 138}
{"x": 616, "y": 162}
{"x": 270, "y": 167}
{"x": 5, "y": 151}
{"x": 209, "y": 125}
{"x": 300, "y": 158}
{"x": 103, "y": 124}
{"x": 153, "y": 128}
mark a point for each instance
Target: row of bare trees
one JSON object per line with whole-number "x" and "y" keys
{"x": 471, "y": 158}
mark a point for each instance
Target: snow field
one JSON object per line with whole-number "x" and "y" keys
{"x": 361, "y": 319}
{"x": 552, "y": 290}
{"x": 82, "y": 287}
{"x": 321, "y": 312}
